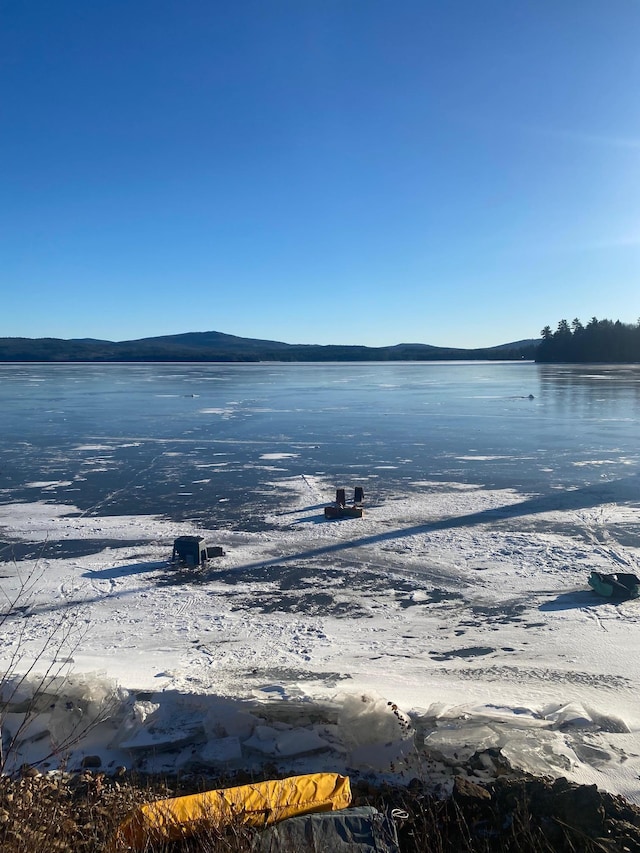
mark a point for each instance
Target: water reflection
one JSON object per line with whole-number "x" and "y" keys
{"x": 592, "y": 390}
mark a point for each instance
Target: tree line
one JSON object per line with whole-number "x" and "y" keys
{"x": 599, "y": 341}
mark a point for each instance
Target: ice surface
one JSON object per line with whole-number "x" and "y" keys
{"x": 454, "y": 616}
{"x": 429, "y": 630}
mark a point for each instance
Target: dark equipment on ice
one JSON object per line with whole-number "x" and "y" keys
{"x": 193, "y": 551}
{"x": 341, "y": 509}
{"x": 618, "y": 585}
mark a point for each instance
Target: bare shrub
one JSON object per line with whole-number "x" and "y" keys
{"x": 36, "y": 678}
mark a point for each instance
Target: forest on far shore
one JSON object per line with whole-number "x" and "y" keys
{"x": 598, "y": 341}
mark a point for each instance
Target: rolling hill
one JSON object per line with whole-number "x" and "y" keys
{"x": 217, "y": 346}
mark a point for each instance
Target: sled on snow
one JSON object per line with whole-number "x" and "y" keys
{"x": 617, "y": 585}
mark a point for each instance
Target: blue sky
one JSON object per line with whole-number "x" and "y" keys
{"x": 318, "y": 171}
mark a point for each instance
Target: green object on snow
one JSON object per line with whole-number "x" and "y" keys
{"x": 617, "y": 585}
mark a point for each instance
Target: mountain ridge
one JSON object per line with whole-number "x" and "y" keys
{"x": 219, "y": 346}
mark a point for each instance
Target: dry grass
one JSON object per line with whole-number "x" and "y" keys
{"x": 80, "y": 813}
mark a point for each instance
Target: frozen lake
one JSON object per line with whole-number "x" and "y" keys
{"x": 491, "y": 490}
{"x": 206, "y": 442}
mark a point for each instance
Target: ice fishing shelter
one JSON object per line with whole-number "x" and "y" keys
{"x": 193, "y": 550}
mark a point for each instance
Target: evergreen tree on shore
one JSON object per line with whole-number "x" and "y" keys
{"x": 598, "y": 341}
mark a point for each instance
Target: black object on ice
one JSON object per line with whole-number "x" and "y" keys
{"x": 193, "y": 551}
{"x": 341, "y": 509}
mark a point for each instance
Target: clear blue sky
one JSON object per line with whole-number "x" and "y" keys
{"x": 452, "y": 172}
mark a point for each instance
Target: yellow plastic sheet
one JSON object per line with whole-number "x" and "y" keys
{"x": 258, "y": 804}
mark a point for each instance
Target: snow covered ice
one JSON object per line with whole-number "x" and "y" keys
{"x": 454, "y": 617}
{"x": 465, "y": 608}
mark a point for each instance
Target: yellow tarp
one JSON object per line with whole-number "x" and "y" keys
{"x": 258, "y": 804}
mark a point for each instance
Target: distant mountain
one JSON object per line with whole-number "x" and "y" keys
{"x": 217, "y": 346}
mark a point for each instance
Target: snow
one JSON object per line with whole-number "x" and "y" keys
{"x": 279, "y": 455}
{"x": 449, "y": 619}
